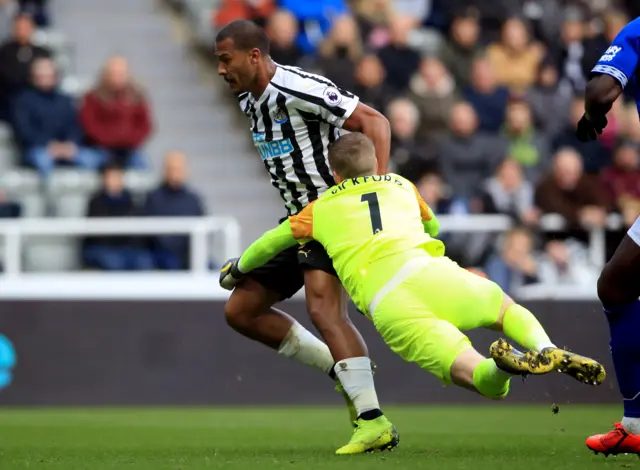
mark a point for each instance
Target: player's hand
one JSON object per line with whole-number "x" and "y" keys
{"x": 230, "y": 274}
{"x": 589, "y": 128}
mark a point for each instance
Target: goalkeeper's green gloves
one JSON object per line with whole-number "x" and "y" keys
{"x": 230, "y": 274}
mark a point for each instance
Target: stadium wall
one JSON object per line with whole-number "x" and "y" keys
{"x": 182, "y": 353}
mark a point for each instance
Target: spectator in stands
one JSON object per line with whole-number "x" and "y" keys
{"x": 433, "y": 191}
{"x": 567, "y": 191}
{"x": 315, "y": 19}
{"x": 373, "y": 21}
{"x": 595, "y": 156}
{"x": 399, "y": 60}
{"x": 38, "y": 9}
{"x": 8, "y": 11}
{"x": 407, "y": 146}
{"x": 515, "y": 265}
{"x": 114, "y": 253}
{"x": 8, "y": 208}
{"x": 231, "y": 10}
{"x": 463, "y": 47}
{"x": 594, "y": 47}
{"x": 416, "y": 9}
{"x": 434, "y": 92}
{"x": 283, "y": 30}
{"x": 371, "y": 85}
{"x": 340, "y": 52}
{"x": 509, "y": 193}
{"x": 116, "y": 117}
{"x": 566, "y": 263}
{"x": 466, "y": 157}
{"x": 487, "y": 97}
{"x": 544, "y": 17}
{"x": 16, "y": 57}
{"x": 515, "y": 58}
{"x": 632, "y": 127}
{"x": 527, "y": 146}
{"x": 550, "y": 102}
{"x": 173, "y": 198}
{"x": 569, "y": 55}
{"x": 621, "y": 182}
{"x": 46, "y": 124}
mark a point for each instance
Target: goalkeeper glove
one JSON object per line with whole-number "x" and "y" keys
{"x": 230, "y": 274}
{"x": 590, "y": 127}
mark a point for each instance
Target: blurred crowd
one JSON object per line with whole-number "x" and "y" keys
{"x": 101, "y": 131}
{"x": 483, "y": 97}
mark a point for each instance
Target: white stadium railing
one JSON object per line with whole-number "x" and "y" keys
{"x": 197, "y": 228}
{"x": 548, "y": 223}
{"x": 200, "y": 282}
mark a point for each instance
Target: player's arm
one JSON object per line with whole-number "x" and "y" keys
{"x": 608, "y": 79}
{"x": 429, "y": 220}
{"x": 287, "y": 234}
{"x": 259, "y": 253}
{"x": 374, "y": 125}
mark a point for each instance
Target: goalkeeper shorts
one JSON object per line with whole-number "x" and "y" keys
{"x": 422, "y": 309}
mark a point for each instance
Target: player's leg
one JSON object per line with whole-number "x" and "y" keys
{"x": 520, "y": 325}
{"x": 481, "y": 303}
{"x": 619, "y": 290}
{"x": 327, "y": 307}
{"x": 250, "y": 312}
{"x": 404, "y": 320}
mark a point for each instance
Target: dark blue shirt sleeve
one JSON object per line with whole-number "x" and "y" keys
{"x": 621, "y": 59}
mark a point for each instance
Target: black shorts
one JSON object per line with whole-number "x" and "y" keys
{"x": 284, "y": 274}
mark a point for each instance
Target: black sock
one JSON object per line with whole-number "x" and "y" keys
{"x": 332, "y": 373}
{"x": 371, "y": 414}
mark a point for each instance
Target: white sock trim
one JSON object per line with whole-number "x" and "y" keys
{"x": 357, "y": 380}
{"x": 544, "y": 345}
{"x": 632, "y": 425}
{"x": 302, "y": 346}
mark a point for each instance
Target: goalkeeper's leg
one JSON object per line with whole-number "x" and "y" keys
{"x": 437, "y": 346}
{"x": 520, "y": 325}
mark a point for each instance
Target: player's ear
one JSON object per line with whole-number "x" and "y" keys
{"x": 254, "y": 56}
{"x": 337, "y": 177}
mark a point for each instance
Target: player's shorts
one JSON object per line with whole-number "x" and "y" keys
{"x": 422, "y": 309}
{"x": 284, "y": 274}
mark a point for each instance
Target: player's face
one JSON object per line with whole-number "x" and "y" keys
{"x": 237, "y": 67}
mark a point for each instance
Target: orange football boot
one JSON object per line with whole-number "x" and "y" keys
{"x": 618, "y": 441}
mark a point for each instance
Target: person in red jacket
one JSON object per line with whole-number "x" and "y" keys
{"x": 115, "y": 115}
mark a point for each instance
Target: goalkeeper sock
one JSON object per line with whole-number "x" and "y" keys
{"x": 491, "y": 381}
{"x": 522, "y": 326}
{"x": 302, "y": 346}
{"x": 357, "y": 380}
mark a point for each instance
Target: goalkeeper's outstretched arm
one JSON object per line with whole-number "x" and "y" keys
{"x": 266, "y": 247}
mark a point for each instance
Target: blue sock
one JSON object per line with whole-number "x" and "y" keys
{"x": 624, "y": 324}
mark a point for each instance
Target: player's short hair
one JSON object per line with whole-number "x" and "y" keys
{"x": 246, "y": 35}
{"x": 353, "y": 155}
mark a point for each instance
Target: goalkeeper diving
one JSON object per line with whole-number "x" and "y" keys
{"x": 380, "y": 235}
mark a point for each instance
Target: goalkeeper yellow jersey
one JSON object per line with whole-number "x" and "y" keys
{"x": 363, "y": 220}
{"x": 359, "y": 222}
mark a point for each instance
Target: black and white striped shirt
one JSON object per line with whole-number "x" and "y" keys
{"x": 293, "y": 122}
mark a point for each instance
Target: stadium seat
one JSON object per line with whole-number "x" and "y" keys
{"x": 198, "y": 13}
{"x": 75, "y": 86}
{"x": 51, "y": 254}
{"x": 70, "y": 190}
{"x": 23, "y": 186}
{"x": 7, "y": 159}
{"x": 140, "y": 182}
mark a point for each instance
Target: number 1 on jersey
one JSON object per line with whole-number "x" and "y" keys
{"x": 374, "y": 211}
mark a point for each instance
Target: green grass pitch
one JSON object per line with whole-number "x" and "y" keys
{"x": 450, "y": 437}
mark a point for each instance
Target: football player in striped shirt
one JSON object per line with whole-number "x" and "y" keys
{"x": 293, "y": 117}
